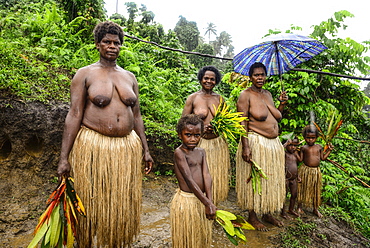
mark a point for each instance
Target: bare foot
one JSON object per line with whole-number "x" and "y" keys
{"x": 316, "y": 212}
{"x": 258, "y": 225}
{"x": 300, "y": 211}
{"x": 285, "y": 216}
{"x": 253, "y": 220}
{"x": 292, "y": 212}
{"x": 272, "y": 220}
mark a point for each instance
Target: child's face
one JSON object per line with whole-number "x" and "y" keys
{"x": 292, "y": 147}
{"x": 190, "y": 136}
{"x": 310, "y": 138}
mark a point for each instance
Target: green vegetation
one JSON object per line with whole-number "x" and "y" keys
{"x": 43, "y": 44}
{"x": 298, "y": 234}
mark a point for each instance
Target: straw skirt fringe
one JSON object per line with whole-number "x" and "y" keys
{"x": 189, "y": 226}
{"x": 218, "y": 160}
{"x": 309, "y": 190}
{"x": 269, "y": 155}
{"x": 107, "y": 173}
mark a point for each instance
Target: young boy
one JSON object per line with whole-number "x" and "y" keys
{"x": 309, "y": 191}
{"x": 291, "y": 174}
{"x": 192, "y": 207}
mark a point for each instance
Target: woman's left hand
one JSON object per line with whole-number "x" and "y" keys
{"x": 148, "y": 163}
{"x": 283, "y": 98}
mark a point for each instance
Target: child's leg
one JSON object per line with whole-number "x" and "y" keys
{"x": 283, "y": 212}
{"x": 293, "y": 191}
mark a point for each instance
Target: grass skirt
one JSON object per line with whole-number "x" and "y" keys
{"x": 269, "y": 155}
{"x": 108, "y": 178}
{"x": 189, "y": 226}
{"x": 218, "y": 160}
{"x": 309, "y": 190}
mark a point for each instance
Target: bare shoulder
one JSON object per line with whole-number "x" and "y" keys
{"x": 200, "y": 150}
{"x": 266, "y": 92}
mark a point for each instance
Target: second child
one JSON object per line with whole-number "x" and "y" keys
{"x": 192, "y": 208}
{"x": 309, "y": 191}
{"x": 291, "y": 175}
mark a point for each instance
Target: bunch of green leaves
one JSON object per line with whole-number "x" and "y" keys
{"x": 57, "y": 225}
{"x": 226, "y": 123}
{"x": 256, "y": 175}
{"x": 233, "y": 225}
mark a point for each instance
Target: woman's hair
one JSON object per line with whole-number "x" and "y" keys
{"x": 203, "y": 70}
{"x": 310, "y": 129}
{"x": 107, "y": 27}
{"x": 255, "y": 66}
{"x": 190, "y": 119}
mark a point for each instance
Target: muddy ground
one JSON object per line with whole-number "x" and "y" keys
{"x": 30, "y": 137}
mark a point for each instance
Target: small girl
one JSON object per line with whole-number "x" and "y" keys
{"x": 309, "y": 191}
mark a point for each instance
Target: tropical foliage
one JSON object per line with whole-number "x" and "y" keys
{"x": 42, "y": 44}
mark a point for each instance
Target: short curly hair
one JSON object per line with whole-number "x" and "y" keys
{"x": 107, "y": 27}
{"x": 310, "y": 129}
{"x": 190, "y": 119}
{"x": 203, "y": 70}
{"x": 255, "y": 66}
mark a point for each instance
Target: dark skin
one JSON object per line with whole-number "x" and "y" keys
{"x": 291, "y": 171}
{"x": 257, "y": 104}
{"x": 311, "y": 155}
{"x": 104, "y": 98}
{"x": 202, "y": 103}
{"x": 191, "y": 168}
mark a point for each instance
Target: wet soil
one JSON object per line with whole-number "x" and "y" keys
{"x": 30, "y": 138}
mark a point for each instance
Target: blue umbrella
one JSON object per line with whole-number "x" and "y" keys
{"x": 279, "y": 53}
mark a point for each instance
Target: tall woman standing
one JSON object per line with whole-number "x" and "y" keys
{"x": 104, "y": 144}
{"x": 202, "y": 103}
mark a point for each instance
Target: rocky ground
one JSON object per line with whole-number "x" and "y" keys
{"x": 30, "y": 137}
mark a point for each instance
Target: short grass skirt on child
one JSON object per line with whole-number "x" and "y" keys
{"x": 269, "y": 155}
{"x": 309, "y": 190}
{"x": 218, "y": 160}
{"x": 108, "y": 179}
{"x": 189, "y": 226}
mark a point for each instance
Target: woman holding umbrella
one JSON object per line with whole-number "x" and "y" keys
{"x": 263, "y": 147}
{"x": 202, "y": 103}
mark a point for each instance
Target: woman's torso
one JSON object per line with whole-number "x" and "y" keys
{"x": 262, "y": 114}
{"x": 109, "y": 101}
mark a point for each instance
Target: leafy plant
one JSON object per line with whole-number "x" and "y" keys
{"x": 226, "y": 123}
{"x": 233, "y": 225}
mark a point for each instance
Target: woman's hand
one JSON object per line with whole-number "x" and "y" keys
{"x": 283, "y": 98}
{"x": 208, "y": 128}
{"x": 148, "y": 163}
{"x": 247, "y": 154}
{"x": 64, "y": 169}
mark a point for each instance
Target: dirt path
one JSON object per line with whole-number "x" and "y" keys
{"x": 20, "y": 209}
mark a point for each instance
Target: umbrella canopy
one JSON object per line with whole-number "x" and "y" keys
{"x": 279, "y": 53}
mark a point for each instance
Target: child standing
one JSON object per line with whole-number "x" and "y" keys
{"x": 309, "y": 191}
{"x": 192, "y": 207}
{"x": 292, "y": 159}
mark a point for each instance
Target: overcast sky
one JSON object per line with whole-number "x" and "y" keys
{"x": 248, "y": 21}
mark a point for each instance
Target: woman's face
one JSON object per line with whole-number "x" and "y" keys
{"x": 208, "y": 81}
{"x": 258, "y": 77}
{"x": 109, "y": 47}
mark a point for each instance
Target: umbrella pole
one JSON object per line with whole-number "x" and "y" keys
{"x": 281, "y": 83}
{"x": 278, "y": 61}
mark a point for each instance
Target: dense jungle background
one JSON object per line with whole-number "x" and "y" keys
{"x": 43, "y": 43}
